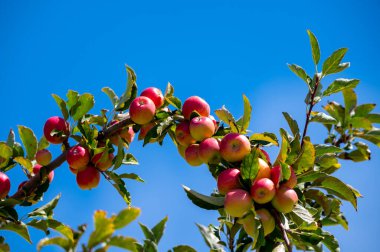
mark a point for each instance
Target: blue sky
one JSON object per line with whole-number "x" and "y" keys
{"x": 215, "y": 49}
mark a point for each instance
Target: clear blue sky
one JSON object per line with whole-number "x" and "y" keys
{"x": 215, "y": 49}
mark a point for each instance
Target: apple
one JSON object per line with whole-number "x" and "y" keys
{"x": 234, "y": 147}
{"x": 195, "y": 104}
{"x": 266, "y": 155}
{"x": 155, "y": 95}
{"x": 43, "y": 157}
{"x": 237, "y": 202}
{"x": 181, "y": 150}
{"x": 276, "y": 175}
{"x": 75, "y": 171}
{"x": 264, "y": 170}
{"x": 36, "y": 172}
{"x": 209, "y": 151}
{"x": 58, "y": 127}
{"x": 88, "y": 178}
{"x": 228, "y": 180}
{"x": 78, "y": 157}
{"x": 142, "y": 110}
{"x": 201, "y": 127}
{"x": 192, "y": 155}
{"x": 285, "y": 199}
{"x": 5, "y": 185}
{"x": 182, "y": 134}
{"x": 292, "y": 181}
{"x": 267, "y": 220}
{"x": 127, "y": 134}
{"x": 249, "y": 224}
{"x": 145, "y": 129}
{"x": 214, "y": 121}
{"x": 103, "y": 161}
{"x": 263, "y": 191}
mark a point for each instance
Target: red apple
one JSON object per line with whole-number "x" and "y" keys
{"x": 264, "y": 170}
{"x": 58, "y": 127}
{"x": 234, "y": 147}
{"x": 228, "y": 180}
{"x": 36, "y": 171}
{"x": 192, "y": 155}
{"x": 43, "y": 157}
{"x": 103, "y": 161}
{"x": 214, "y": 121}
{"x": 276, "y": 175}
{"x": 266, "y": 155}
{"x": 182, "y": 134}
{"x": 263, "y": 191}
{"x": 5, "y": 185}
{"x": 195, "y": 104}
{"x": 78, "y": 157}
{"x": 267, "y": 220}
{"x": 292, "y": 181}
{"x": 88, "y": 178}
{"x": 181, "y": 150}
{"x": 201, "y": 127}
{"x": 145, "y": 129}
{"x": 155, "y": 95}
{"x": 75, "y": 171}
{"x": 142, "y": 110}
{"x": 209, "y": 151}
{"x": 285, "y": 199}
{"x": 127, "y": 134}
{"x": 237, "y": 202}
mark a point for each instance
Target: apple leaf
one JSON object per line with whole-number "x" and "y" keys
{"x": 203, "y": 201}
{"x": 29, "y": 141}
{"x": 321, "y": 149}
{"x": 300, "y": 72}
{"x": 19, "y": 228}
{"x": 83, "y": 106}
{"x": 111, "y": 94}
{"x": 46, "y": 211}
{"x": 250, "y": 165}
{"x": 264, "y": 139}
{"x": 183, "y": 248}
{"x": 322, "y": 118}
{"x": 339, "y": 85}
{"x": 126, "y": 216}
{"x": 247, "y": 115}
{"x": 306, "y": 160}
{"x": 159, "y": 228}
{"x": 315, "y": 51}
{"x": 332, "y": 63}
{"x": 292, "y": 123}
{"x": 210, "y": 238}
{"x": 225, "y": 115}
{"x": 58, "y": 241}
{"x": 104, "y": 228}
{"x": 127, "y": 243}
{"x": 130, "y": 93}
{"x": 119, "y": 185}
{"x": 62, "y": 106}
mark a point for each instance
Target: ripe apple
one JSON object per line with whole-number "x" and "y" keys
{"x": 103, "y": 161}
{"x": 201, "y": 127}
{"x": 58, "y": 127}
{"x": 5, "y": 185}
{"x": 249, "y": 224}
{"x": 214, "y": 121}
{"x": 234, "y": 147}
{"x": 145, "y": 129}
{"x": 36, "y": 172}
{"x": 78, "y": 157}
{"x": 267, "y": 220}
{"x": 292, "y": 181}
{"x": 182, "y": 134}
{"x": 43, "y": 157}
{"x": 88, "y": 178}
{"x": 276, "y": 175}
{"x": 266, "y": 155}
{"x": 142, "y": 110}
{"x": 127, "y": 134}
{"x": 285, "y": 199}
{"x": 195, "y": 104}
{"x": 209, "y": 151}
{"x": 228, "y": 180}
{"x": 264, "y": 170}
{"x": 192, "y": 155}
{"x": 181, "y": 150}
{"x": 237, "y": 202}
{"x": 155, "y": 95}
{"x": 263, "y": 191}
{"x": 75, "y": 171}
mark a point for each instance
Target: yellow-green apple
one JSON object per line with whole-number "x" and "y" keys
{"x": 56, "y": 130}
{"x": 264, "y": 170}
{"x": 228, "y": 180}
{"x": 142, "y": 110}
{"x": 201, "y": 127}
{"x": 181, "y": 150}
{"x": 103, "y": 161}
{"x": 182, "y": 134}
{"x": 209, "y": 151}
{"x": 192, "y": 155}
{"x": 292, "y": 181}
{"x": 155, "y": 95}
{"x": 88, "y": 178}
{"x": 285, "y": 199}
{"x": 195, "y": 104}
{"x": 266, "y": 155}
{"x": 78, "y": 157}
{"x": 43, "y": 157}
{"x": 237, "y": 202}
{"x": 234, "y": 147}
{"x": 263, "y": 191}
{"x": 145, "y": 129}
{"x": 5, "y": 185}
{"x": 36, "y": 172}
{"x": 276, "y": 175}
{"x": 267, "y": 220}
{"x": 249, "y": 224}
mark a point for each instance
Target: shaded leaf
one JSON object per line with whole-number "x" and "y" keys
{"x": 19, "y": 228}
{"x": 11, "y": 138}
{"x": 203, "y": 201}
{"x": 148, "y": 233}
{"x": 62, "y": 106}
{"x": 119, "y": 184}
{"x": 46, "y": 211}
{"x": 183, "y": 248}
{"x": 111, "y": 94}
{"x": 83, "y": 106}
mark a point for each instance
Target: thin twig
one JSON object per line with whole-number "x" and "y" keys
{"x": 283, "y": 231}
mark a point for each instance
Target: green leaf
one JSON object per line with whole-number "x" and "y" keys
{"x": 131, "y": 91}
{"x": 335, "y": 110}
{"x": 126, "y": 216}
{"x": 209, "y": 237}
{"x": 224, "y": 115}
{"x": 104, "y": 228}
{"x": 303, "y": 214}
{"x": 314, "y": 47}
{"x": 332, "y": 63}
{"x": 61, "y": 228}
{"x": 11, "y": 138}
{"x": 364, "y": 109}
{"x": 339, "y": 85}
{"x": 72, "y": 98}
{"x": 247, "y": 115}
{"x": 374, "y": 118}
{"x": 292, "y": 123}
{"x": 174, "y": 101}
{"x": 83, "y": 106}
{"x": 203, "y": 201}
{"x": 321, "y": 149}
{"x": 46, "y": 211}
{"x": 29, "y": 140}
{"x": 127, "y": 243}
{"x": 6, "y": 153}
{"x": 58, "y": 241}
{"x": 169, "y": 90}
{"x": 147, "y": 232}
{"x": 350, "y": 101}
{"x": 159, "y": 228}
{"x": 283, "y": 153}
{"x": 322, "y": 118}
{"x": 150, "y": 246}
{"x": 373, "y": 136}
{"x": 330, "y": 241}
{"x": 24, "y": 162}
{"x": 183, "y": 248}
{"x": 264, "y": 138}
{"x": 43, "y": 143}
{"x": 39, "y": 224}
{"x": 250, "y": 165}
{"x": 300, "y": 72}
{"x": 111, "y": 94}
{"x": 360, "y": 123}
{"x": 119, "y": 184}
{"x": 362, "y": 153}
{"x": 306, "y": 160}
{"x": 131, "y": 176}
{"x": 62, "y": 106}
{"x": 19, "y": 228}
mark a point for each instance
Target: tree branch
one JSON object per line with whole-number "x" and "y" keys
{"x": 283, "y": 231}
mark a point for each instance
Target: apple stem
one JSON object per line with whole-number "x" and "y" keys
{"x": 283, "y": 231}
